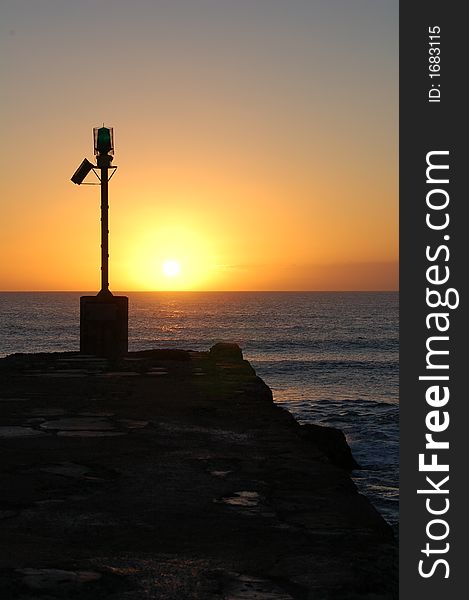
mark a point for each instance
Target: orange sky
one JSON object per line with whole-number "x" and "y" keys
{"x": 256, "y": 144}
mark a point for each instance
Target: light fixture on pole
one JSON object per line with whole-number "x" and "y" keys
{"x": 82, "y": 171}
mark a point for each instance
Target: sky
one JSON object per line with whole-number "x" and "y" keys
{"x": 255, "y": 140}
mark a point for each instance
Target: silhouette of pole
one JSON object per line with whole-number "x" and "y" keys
{"x": 104, "y": 149}
{"x": 104, "y": 231}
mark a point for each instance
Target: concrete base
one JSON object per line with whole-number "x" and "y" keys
{"x": 104, "y": 325}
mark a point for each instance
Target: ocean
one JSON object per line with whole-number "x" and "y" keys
{"x": 330, "y": 358}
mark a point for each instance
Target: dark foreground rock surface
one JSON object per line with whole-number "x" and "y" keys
{"x": 171, "y": 475}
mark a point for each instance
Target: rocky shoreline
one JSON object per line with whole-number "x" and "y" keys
{"x": 172, "y": 475}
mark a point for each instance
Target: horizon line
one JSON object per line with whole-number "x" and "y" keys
{"x": 377, "y": 291}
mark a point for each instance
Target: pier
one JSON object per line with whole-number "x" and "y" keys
{"x": 172, "y": 475}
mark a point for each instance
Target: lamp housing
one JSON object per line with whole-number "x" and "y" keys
{"x": 103, "y": 140}
{"x": 82, "y": 171}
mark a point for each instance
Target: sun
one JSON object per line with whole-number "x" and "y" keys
{"x": 171, "y": 257}
{"x": 171, "y": 268}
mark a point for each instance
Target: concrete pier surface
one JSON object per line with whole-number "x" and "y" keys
{"x": 172, "y": 475}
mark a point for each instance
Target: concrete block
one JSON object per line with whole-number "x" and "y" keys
{"x": 104, "y": 325}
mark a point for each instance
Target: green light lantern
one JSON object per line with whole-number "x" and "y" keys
{"x": 103, "y": 140}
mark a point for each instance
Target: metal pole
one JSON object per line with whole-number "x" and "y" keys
{"x": 104, "y": 232}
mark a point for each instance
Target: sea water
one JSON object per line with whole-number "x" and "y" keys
{"x": 330, "y": 358}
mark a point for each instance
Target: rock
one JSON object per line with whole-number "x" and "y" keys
{"x": 247, "y": 587}
{"x": 90, "y": 434}
{"x": 56, "y": 581}
{"x": 332, "y": 443}
{"x": 17, "y": 431}
{"x": 244, "y": 498}
{"x": 13, "y": 399}
{"x": 224, "y": 351}
{"x": 161, "y": 354}
{"x": 47, "y": 412}
{"x": 66, "y": 469}
{"x": 133, "y": 423}
{"x": 79, "y": 424}
{"x": 219, "y": 473}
